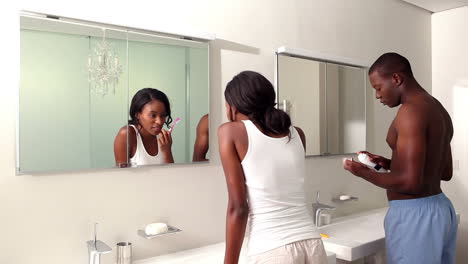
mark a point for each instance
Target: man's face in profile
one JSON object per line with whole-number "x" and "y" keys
{"x": 386, "y": 89}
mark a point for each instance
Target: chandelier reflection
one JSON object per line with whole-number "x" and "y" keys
{"x": 104, "y": 68}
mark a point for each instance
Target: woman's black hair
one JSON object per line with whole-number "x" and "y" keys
{"x": 254, "y": 96}
{"x": 144, "y": 96}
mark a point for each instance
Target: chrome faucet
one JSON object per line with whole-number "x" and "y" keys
{"x": 317, "y": 209}
{"x": 96, "y": 248}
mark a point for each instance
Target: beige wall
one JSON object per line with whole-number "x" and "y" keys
{"x": 47, "y": 219}
{"x": 450, "y": 86}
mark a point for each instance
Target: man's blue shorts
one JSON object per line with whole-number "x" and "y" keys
{"x": 421, "y": 230}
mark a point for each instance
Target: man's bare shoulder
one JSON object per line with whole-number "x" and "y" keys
{"x": 203, "y": 124}
{"x": 204, "y": 121}
{"x": 412, "y": 114}
{"x": 204, "y": 118}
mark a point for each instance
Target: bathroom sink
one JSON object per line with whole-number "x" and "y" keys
{"x": 356, "y": 236}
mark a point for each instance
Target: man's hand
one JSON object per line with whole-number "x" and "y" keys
{"x": 355, "y": 168}
{"x": 384, "y": 162}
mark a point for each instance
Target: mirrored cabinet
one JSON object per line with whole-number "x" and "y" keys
{"x": 327, "y": 99}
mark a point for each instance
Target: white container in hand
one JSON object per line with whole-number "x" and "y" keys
{"x": 364, "y": 159}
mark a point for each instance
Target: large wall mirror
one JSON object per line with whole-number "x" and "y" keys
{"x": 326, "y": 99}
{"x": 79, "y": 81}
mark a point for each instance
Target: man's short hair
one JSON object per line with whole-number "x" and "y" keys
{"x": 390, "y": 63}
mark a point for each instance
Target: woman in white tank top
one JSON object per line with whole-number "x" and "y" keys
{"x": 149, "y": 111}
{"x": 263, "y": 160}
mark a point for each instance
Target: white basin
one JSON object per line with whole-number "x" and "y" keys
{"x": 356, "y": 236}
{"x": 205, "y": 255}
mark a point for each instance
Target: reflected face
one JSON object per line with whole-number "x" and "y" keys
{"x": 386, "y": 89}
{"x": 153, "y": 117}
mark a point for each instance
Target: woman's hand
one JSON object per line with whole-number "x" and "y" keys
{"x": 384, "y": 162}
{"x": 165, "y": 146}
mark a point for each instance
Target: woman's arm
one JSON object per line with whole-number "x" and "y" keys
{"x": 238, "y": 209}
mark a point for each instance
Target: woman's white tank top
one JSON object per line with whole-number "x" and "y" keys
{"x": 142, "y": 157}
{"x": 274, "y": 172}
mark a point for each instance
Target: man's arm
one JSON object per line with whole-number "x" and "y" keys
{"x": 408, "y": 159}
{"x": 238, "y": 208}
{"x": 448, "y": 170}
{"x": 201, "y": 145}
{"x": 121, "y": 146}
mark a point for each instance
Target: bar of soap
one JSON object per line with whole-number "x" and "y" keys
{"x": 155, "y": 229}
{"x": 344, "y": 197}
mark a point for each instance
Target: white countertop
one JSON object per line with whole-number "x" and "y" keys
{"x": 204, "y": 255}
{"x": 350, "y": 238}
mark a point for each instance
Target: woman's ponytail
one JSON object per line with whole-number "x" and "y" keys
{"x": 253, "y": 95}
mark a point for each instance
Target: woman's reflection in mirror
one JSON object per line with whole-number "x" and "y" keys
{"x": 144, "y": 141}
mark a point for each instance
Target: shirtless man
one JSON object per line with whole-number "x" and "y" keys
{"x": 421, "y": 225}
